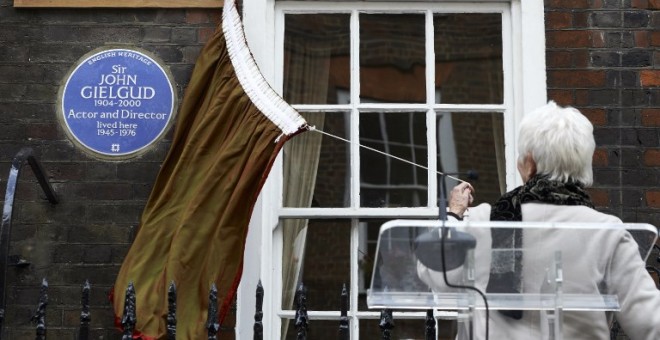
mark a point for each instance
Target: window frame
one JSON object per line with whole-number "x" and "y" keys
{"x": 528, "y": 90}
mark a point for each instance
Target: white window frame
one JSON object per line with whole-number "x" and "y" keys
{"x": 261, "y": 27}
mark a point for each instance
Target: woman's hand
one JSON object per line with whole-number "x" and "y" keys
{"x": 460, "y": 198}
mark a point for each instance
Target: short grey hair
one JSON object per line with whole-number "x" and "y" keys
{"x": 561, "y": 142}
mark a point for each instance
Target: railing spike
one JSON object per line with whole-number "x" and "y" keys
{"x": 259, "y": 314}
{"x": 40, "y": 315}
{"x": 171, "y": 311}
{"x": 129, "y": 318}
{"x": 343, "y": 318}
{"x": 386, "y": 323}
{"x": 85, "y": 315}
{"x": 301, "y": 312}
{"x": 430, "y": 325}
{"x": 212, "y": 320}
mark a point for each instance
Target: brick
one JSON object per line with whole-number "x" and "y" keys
{"x": 184, "y": 35}
{"x": 635, "y": 97}
{"x": 563, "y": 4}
{"x": 156, "y": 34}
{"x": 629, "y": 78}
{"x": 606, "y": 177}
{"x": 197, "y": 16}
{"x": 639, "y": 177}
{"x": 603, "y": 97}
{"x": 653, "y": 198}
{"x": 636, "y": 58}
{"x": 170, "y": 17}
{"x": 605, "y": 59}
{"x": 598, "y": 39}
{"x": 651, "y": 117}
{"x": 558, "y": 20}
{"x": 654, "y": 101}
{"x": 562, "y": 97}
{"x": 567, "y": 39}
{"x": 630, "y": 157}
{"x": 607, "y": 136}
{"x": 169, "y": 54}
{"x": 654, "y": 4}
{"x": 613, "y": 3}
{"x": 46, "y": 131}
{"x": 641, "y": 38}
{"x": 635, "y": 19}
{"x": 576, "y": 78}
{"x": 655, "y": 38}
{"x": 102, "y": 191}
{"x": 600, "y": 157}
{"x": 581, "y": 58}
{"x": 607, "y": 19}
{"x": 649, "y": 78}
{"x": 655, "y": 19}
{"x": 216, "y": 18}
{"x": 204, "y": 34}
{"x": 628, "y": 39}
{"x": 652, "y": 157}
{"x": 580, "y": 19}
{"x": 582, "y": 98}
{"x": 629, "y": 118}
{"x": 143, "y": 172}
{"x": 631, "y": 198}
{"x": 596, "y": 116}
{"x": 613, "y": 78}
{"x": 613, "y": 39}
{"x": 642, "y": 4}
{"x": 556, "y": 59}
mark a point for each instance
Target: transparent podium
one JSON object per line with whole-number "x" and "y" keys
{"x": 547, "y": 268}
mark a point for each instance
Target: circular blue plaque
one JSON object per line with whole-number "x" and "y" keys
{"x": 116, "y": 102}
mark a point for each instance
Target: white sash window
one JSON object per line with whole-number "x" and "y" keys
{"x": 438, "y": 84}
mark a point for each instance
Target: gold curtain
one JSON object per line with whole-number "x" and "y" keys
{"x": 193, "y": 228}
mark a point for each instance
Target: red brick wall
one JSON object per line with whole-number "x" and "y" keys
{"x": 603, "y": 58}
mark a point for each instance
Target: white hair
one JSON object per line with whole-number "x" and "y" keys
{"x": 561, "y": 142}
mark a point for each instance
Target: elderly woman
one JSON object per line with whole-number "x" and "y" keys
{"x": 556, "y": 147}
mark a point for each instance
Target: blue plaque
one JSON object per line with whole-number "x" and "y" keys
{"x": 117, "y": 102}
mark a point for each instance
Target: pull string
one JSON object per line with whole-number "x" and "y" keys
{"x": 313, "y": 128}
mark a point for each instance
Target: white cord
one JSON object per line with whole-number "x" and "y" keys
{"x": 313, "y": 128}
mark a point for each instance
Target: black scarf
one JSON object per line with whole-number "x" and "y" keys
{"x": 506, "y": 265}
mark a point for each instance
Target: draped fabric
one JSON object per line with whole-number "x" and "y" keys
{"x": 307, "y": 83}
{"x": 192, "y": 232}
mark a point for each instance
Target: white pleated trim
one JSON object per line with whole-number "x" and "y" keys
{"x": 253, "y": 82}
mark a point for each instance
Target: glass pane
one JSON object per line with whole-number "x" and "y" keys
{"x": 471, "y": 144}
{"x": 403, "y": 329}
{"x": 392, "y": 58}
{"x": 314, "y": 161}
{"x": 316, "y": 57}
{"x": 385, "y": 181}
{"x": 368, "y": 239}
{"x": 316, "y": 253}
{"x": 468, "y": 58}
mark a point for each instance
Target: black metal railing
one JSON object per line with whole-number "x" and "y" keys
{"x": 24, "y": 155}
{"x": 129, "y": 317}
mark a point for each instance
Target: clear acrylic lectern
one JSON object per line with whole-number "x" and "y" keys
{"x": 549, "y": 261}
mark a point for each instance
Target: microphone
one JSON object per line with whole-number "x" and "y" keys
{"x": 433, "y": 249}
{"x": 428, "y": 248}
{"x": 470, "y": 174}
